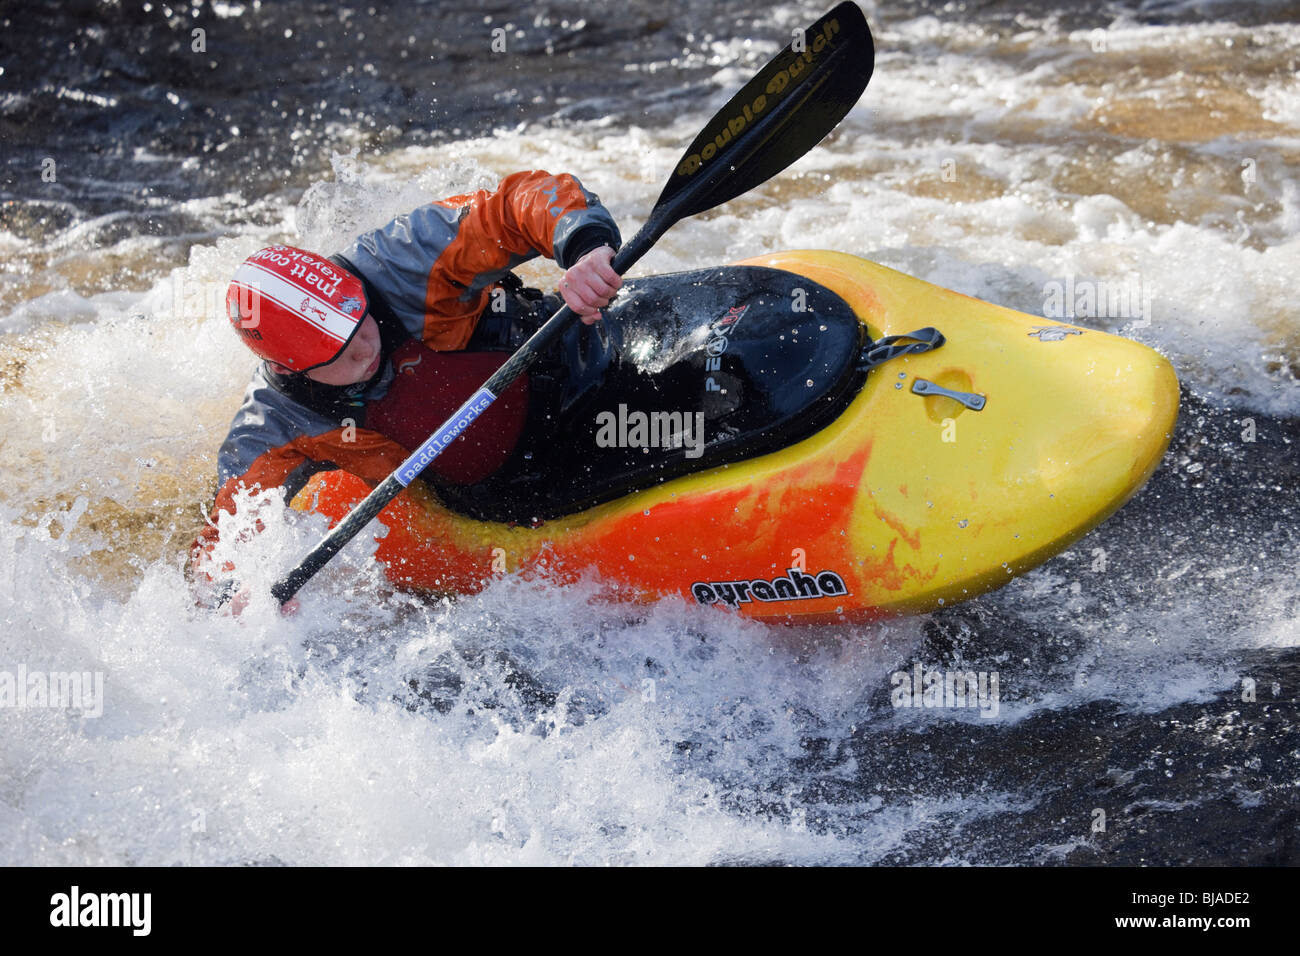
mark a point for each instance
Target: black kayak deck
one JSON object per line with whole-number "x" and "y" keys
{"x": 687, "y": 371}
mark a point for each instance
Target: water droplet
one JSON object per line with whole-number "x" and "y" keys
{"x": 963, "y": 522}
{"x": 810, "y": 383}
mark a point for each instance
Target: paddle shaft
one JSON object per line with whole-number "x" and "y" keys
{"x": 391, "y": 487}
{"x": 660, "y": 221}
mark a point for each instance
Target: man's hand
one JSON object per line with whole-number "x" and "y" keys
{"x": 590, "y": 283}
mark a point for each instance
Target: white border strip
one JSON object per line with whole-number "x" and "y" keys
{"x": 333, "y": 321}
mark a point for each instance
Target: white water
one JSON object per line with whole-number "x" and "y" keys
{"x": 264, "y": 739}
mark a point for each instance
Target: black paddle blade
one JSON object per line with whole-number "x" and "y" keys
{"x": 783, "y": 112}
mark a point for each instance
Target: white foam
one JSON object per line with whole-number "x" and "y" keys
{"x": 235, "y": 740}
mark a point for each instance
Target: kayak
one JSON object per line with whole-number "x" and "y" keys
{"x": 805, "y": 437}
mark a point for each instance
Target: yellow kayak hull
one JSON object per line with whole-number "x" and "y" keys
{"x": 904, "y": 503}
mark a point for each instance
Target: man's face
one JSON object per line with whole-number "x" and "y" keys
{"x": 357, "y": 362}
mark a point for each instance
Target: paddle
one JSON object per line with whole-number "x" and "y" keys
{"x": 783, "y": 112}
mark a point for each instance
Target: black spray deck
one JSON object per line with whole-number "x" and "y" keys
{"x": 687, "y": 371}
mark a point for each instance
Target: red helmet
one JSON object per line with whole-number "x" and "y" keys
{"x": 294, "y": 307}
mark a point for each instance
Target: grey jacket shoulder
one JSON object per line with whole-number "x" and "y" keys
{"x": 396, "y": 258}
{"x": 268, "y": 419}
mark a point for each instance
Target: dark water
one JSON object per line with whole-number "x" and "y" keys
{"x": 135, "y": 115}
{"x": 136, "y": 108}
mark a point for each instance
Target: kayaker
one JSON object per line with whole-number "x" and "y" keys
{"x": 365, "y": 353}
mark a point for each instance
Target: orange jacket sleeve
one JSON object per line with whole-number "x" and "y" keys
{"x": 436, "y": 265}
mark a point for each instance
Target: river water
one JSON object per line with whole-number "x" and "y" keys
{"x": 1147, "y": 679}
